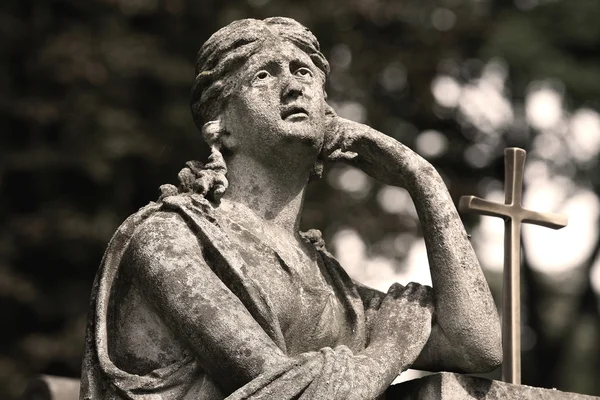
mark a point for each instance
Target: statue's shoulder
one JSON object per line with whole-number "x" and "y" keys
{"x": 179, "y": 223}
{"x": 167, "y": 231}
{"x": 161, "y": 225}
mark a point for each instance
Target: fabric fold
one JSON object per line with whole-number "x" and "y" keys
{"x": 309, "y": 375}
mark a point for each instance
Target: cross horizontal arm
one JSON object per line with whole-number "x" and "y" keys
{"x": 476, "y": 205}
{"x": 549, "y": 220}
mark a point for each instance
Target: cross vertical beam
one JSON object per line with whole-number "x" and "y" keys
{"x": 514, "y": 215}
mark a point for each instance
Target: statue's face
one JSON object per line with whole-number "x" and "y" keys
{"x": 278, "y": 104}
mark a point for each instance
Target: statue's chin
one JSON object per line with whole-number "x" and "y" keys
{"x": 305, "y": 143}
{"x": 304, "y": 133}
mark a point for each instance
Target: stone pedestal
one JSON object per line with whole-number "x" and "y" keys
{"x": 442, "y": 386}
{"x": 449, "y": 386}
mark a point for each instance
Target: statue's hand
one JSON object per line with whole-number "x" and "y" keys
{"x": 380, "y": 156}
{"x": 403, "y": 322}
{"x": 340, "y": 134}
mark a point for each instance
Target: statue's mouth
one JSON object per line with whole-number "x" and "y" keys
{"x": 293, "y": 113}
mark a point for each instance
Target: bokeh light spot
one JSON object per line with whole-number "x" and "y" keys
{"x": 341, "y": 56}
{"x": 543, "y": 106}
{"x": 395, "y": 200}
{"x": 431, "y": 144}
{"x": 393, "y": 77}
{"x": 585, "y": 132}
{"x": 443, "y": 19}
{"x": 446, "y": 91}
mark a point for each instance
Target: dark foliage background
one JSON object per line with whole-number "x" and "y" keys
{"x": 94, "y": 113}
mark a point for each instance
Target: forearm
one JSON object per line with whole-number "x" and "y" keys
{"x": 372, "y": 371}
{"x": 465, "y": 310}
{"x": 388, "y": 359}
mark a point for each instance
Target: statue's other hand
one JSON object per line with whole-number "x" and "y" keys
{"x": 404, "y": 320}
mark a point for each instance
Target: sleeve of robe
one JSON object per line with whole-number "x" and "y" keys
{"x": 327, "y": 374}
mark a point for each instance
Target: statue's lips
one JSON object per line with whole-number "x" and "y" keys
{"x": 294, "y": 112}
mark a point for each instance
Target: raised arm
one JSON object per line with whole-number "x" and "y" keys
{"x": 168, "y": 265}
{"x": 466, "y": 333}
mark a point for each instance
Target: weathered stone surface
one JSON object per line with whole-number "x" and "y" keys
{"x": 212, "y": 292}
{"x": 449, "y": 386}
{"x": 47, "y": 387}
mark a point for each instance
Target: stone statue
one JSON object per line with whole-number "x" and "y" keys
{"x": 212, "y": 292}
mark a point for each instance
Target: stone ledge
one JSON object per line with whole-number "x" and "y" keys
{"x": 450, "y": 386}
{"x": 442, "y": 386}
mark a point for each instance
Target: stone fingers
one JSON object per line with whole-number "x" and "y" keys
{"x": 421, "y": 294}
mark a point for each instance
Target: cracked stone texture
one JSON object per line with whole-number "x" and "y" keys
{"x": 212, "y": 292}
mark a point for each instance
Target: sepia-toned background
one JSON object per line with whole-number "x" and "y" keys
{"x": 94, "y": 117}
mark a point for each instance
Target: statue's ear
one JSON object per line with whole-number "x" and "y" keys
{"x": 215, "y": 134}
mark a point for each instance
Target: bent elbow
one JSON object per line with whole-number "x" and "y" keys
{"x": 490, "y": 360}
{"x": 484, "y": 358}
{"x": 485, "y": 350}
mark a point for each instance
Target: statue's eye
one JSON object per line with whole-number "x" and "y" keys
{"x": 261, "y": 75}
{"x": 304, "y": 72}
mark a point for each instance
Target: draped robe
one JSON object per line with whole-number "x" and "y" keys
{"x": 325, "y": 372}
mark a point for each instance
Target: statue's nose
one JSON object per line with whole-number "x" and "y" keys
{"x": 291, "y": 88}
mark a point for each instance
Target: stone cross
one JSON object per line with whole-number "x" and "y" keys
{"x": 514, "y": 215}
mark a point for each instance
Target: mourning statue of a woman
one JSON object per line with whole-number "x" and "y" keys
{"x": 212, "y": 292}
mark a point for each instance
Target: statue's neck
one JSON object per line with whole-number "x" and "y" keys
{"x": 274, "y": 195}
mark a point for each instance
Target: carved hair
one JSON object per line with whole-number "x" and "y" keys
{"x": 219, "y": 58}
{"x": 207, "y": 180}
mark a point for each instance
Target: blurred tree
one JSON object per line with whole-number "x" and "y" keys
{"x": 94, "y": 110}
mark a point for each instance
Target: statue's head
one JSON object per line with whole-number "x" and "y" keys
{"x": 229, "y": 49}
{"x": 259, "y": 86}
